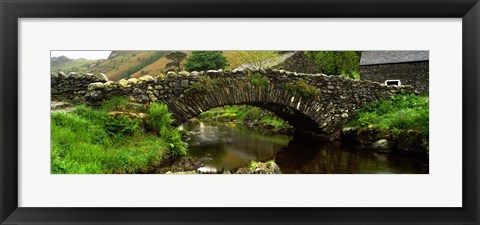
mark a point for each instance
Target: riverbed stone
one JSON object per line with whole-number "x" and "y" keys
{"x": 207, "y": 169}
{"x": 381, "y": 145}
{"x": 269, "y": 167}
{"x": 348, "y": 135}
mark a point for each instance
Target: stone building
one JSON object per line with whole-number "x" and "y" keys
{"x": 300, "y": 63}
{"x": 404, "y": 67}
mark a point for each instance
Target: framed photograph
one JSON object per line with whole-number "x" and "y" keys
{"x": 264, "y": 112}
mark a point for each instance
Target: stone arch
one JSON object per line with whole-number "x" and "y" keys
{"x": 300, "y": 112}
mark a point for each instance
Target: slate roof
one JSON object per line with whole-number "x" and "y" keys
{"x": 386, "y": 57}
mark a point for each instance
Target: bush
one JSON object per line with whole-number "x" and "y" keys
{"x": 336, "y": 62}
{"x": 206, "y": 60}
{"x": 397, "y": 114}
{"x": 303, "y": 89}
{"x": 158, "y": 117}
{"x": 200, "y": 87}
{"x": 122, "y": 125}
{"x": 159, "y": 120}
{"x": 115, "y": 103}
{"x": 258, "y": 80}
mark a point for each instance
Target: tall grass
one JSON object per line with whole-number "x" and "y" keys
{"x": 115, "y": 103}
{"x": 398, "y": 113}
{"x": 89, "y": 141}
{"x": 159, "y": 120}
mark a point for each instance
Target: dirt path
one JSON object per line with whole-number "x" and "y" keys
{"x": 61, "y": 107}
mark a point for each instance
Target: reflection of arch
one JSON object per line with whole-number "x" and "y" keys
{"x": 306, "y": 114}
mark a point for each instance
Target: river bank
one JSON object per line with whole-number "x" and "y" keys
{"x": 397, "y": 124}
{"x": 252, "y": 117}
{"x": 110, "y": 139}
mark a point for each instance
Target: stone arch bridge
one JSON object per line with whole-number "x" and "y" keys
{"x": 312, "y": 102}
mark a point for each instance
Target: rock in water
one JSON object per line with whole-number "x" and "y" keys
{"x": 269, "y": 167}
{"x": 381, "y": 145}
{"x": 207, "y": 169}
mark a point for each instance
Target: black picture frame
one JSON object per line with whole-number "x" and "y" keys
{"x": 12, "y": 10}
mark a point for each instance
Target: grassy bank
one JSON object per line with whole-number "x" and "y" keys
{"x": 94, "y": 141}
{"x": 246, "y": 114}
{"x": 402, "y": 118}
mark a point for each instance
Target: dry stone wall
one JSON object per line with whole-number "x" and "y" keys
{"x": 73, "y": 85}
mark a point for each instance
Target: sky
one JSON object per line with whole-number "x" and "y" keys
{"x": 82, "y": 54}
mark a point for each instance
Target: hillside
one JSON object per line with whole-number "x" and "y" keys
{"x": 156, "y": 68}
{"x": 121, "y": 64}
{"x": 55, "y": 61}
{"x": 67, "y": 65}
{"x": 126, "y": 64}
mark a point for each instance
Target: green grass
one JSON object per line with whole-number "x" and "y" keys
{"x": 242, "y": 113}
{"x": 353, "y": 75}
{"x": 75, "y": 65}
{"x": 238, "y": 113}
{"x": 89, "y": 141}
{"x": 274, "y": 121}
{"x": 159, "y": 119}
{"x": 115, "y": 103}
{"x": 397, "y": 114}
{"x": 258, "y": 80}
{"x": 303, "y": 89}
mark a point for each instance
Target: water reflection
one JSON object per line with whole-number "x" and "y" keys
{"x": 309, "y": 155}
{"x": 232, "y": 146}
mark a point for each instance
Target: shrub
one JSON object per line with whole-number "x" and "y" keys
{"x": 206, "y": 60}
{"x": 397, "y": 113}
{"x": 159, "y": 120}
{"x": 303, "y": 89}
{"x": 158, "y": 117}
{"x": 122, "y": 125}
{"x": 334, "y": 62}
{"x": 115, "y": 103}
{"x": 200, "y": 87}
{"x": 258, "y": 80}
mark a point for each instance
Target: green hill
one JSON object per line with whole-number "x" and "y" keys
{"x": 124, "y": 64}
{"x": 71, "y": 65}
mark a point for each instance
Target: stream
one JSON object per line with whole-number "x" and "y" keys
{"x": 232, "y": 145}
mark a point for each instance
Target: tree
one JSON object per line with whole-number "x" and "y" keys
{"x": 336, "y": 62}
{"x": 258, "y": 59}
{"x": 176, "y": 58}
{"x": 206, "y": 60}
